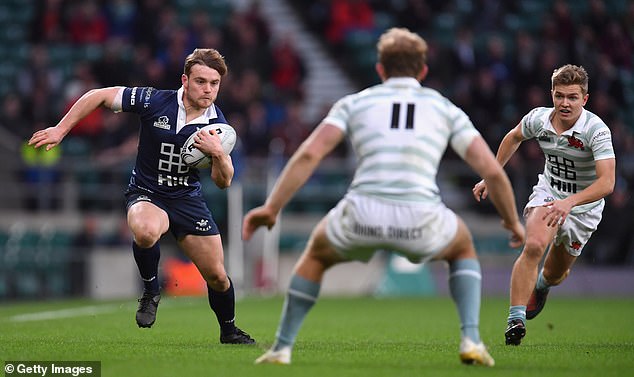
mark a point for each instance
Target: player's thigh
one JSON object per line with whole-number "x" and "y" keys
{"x": 319, "y": 254}
{"x": 206, "y": 253}
{"x": 460, "y": 247}
{"x": 538, "y": 234}
{"x": 319, "y": 247}
{"x": 147, "y": 220}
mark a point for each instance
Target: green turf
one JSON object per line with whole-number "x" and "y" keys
{"x": 341, "y": 337}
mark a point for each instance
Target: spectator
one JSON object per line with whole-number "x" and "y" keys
{"x": 40, "y": 175}
{"x": 146, "y": 27}
{"x": 12, "y": 117}
{"x": 120, "y": 16}
{"x": 524, "y": 61}
{"x": 347, "y": 16}
{"x": 87, "y": 23}
{"x": 48, "y": 25}
{"x": 288, "y": 71}
{"x": 294, "y": 129}
{"x": 258, "y": 134}
{"x": 463, "y": 51}
{"x": 39, "y": 73}
{"x": 596, "y": 16}
{"x": 247, "y": 52}
{"x": 615, "y": 43}
{"x": 112, "y": 68}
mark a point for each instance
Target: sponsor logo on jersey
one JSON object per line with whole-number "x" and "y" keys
{"x": 543, "y": 136}
{"x": 146, "y": 100}
{"x": 203, "y": 225}
{"x": 133, "y": 97}
{"x": 563, "y": 186}
{"x": 575, "y": 245}
{"x": 172, "y": 181}
{"x": 162, "y": 122}
{"x": 601, "y": 136}
{"x": 575, "y": 143}
{"x": 549, "y": 199}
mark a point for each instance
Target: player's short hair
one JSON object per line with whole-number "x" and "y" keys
{"x": 401, "y": 52}
{"x": 205, "y": 56}
{"x": 571, "y": 74}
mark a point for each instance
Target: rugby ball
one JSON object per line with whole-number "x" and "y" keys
{"x": 193, "y": 157}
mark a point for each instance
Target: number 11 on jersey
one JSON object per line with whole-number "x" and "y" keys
{"x": 396, "y": 116}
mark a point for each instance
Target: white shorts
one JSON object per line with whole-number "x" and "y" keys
{"x": 576, "y": 231}
{"x": 360, "y": 225}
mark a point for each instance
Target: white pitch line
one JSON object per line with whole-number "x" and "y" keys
{"x": 64, "y": 313}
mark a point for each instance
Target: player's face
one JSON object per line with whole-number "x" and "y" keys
{"x": 201, "y": 87}
{"x": 568, "y": 101}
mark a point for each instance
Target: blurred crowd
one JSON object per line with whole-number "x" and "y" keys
{"x": 493, "y": 58}
{"x": 74, "y": 46}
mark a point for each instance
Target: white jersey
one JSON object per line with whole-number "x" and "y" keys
{"x": 570, "y": 157}
{"x": 399, "y": 131}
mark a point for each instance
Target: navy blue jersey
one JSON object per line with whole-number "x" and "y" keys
{"x": 158, "y": 168}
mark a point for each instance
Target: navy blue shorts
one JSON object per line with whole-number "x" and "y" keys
{"x": 187, "y": 215}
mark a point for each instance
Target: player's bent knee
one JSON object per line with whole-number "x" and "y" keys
{"x": 217, "y": 280}
{"x": 145, "y": 235}
{"x": 145, "y": 239}
{"x": 534, "y": 248}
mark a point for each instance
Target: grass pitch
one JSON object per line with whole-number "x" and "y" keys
{"x": 341, "y": 337}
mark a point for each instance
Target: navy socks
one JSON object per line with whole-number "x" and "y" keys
{"x": 224, "y": 306}
{"x": 147, "y": 260}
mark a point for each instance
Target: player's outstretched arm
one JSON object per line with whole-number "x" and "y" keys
{"x": 481, "y": 159}
{"x": 507, "y": 148}
{"x": 294, "y": 175}
{"x": 85, "y": 105}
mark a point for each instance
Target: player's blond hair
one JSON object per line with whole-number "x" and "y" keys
{"x": 205, "y": 56}
{"x": 570, "y": 74}
{"x": 401, "y": 52}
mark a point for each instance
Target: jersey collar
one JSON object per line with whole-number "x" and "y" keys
{"x": 577, "y": 127}
{"x": 208, "y": 115}
{"x": 402, "y": 81}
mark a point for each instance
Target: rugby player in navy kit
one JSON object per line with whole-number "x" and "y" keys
{"x": 164, "y": 193}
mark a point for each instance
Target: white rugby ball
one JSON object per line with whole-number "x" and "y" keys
{"x": 193, "y": 157}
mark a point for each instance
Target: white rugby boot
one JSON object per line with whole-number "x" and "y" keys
{"x": 280, "y": 357}
{"x": 475, "y": 354}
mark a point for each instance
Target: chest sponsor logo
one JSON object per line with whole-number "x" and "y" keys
{"x": 561, "y": 167}
{"x": 170, "y": 162}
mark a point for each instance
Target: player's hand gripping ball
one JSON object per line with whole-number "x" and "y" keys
{"x": 194, "y": 157}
